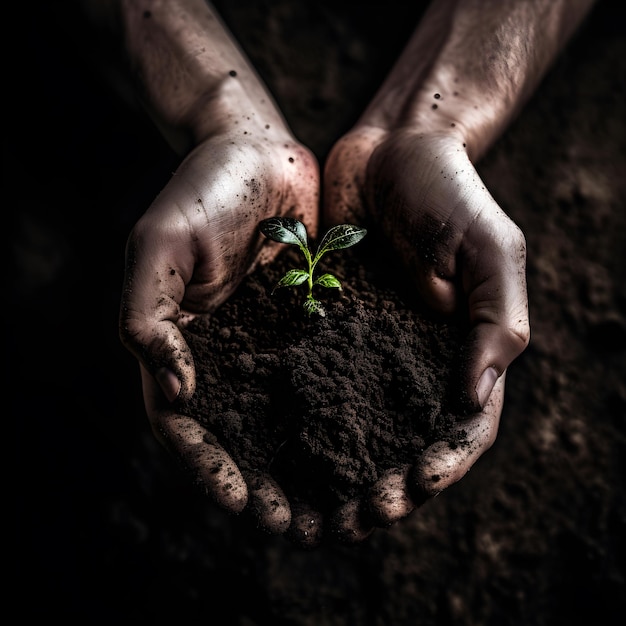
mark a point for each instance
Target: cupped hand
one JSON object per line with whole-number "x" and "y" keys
{"x": 211, "y": 468}
{"x": 185, "y": 256}
{"x": 466, "y": 258}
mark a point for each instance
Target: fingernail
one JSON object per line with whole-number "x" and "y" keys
{"x": 485, "y": 385}
{"x": 170, "y": 385}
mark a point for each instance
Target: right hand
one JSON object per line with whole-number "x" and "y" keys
{"x": 185, "y": 256}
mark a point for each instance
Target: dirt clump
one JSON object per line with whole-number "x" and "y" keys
{"x": 326, "y": 404}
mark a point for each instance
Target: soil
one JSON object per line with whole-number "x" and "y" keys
{"x": 107, "y": 526}
{"x": 327, "y": 403}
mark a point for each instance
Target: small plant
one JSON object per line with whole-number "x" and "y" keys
{"x": 291, "y": 231}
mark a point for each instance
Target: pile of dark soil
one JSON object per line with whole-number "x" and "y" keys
{"x": 326, "y": 404}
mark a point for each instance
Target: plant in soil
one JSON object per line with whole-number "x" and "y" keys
{"x": 291, "y": 231}
{"x": 326, "y": 404}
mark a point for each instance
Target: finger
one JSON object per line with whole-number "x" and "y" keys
{"x": 444, "y": 463}
{"x": 212, "y": 468}
{"x": 268, "y": 503}
{"x": 306, "y": 526}
{"x": 154, "y": 286}
{"x": 494, "y": 258}
{"x": 389, "y": 499}
{"x": 348, "y": 525}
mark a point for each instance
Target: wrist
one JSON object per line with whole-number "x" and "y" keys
{"x": 448, "y": 107}
{"x": 193, "y": 78}
{"x": 234, "y": 105}
{"x": 470, "y": 66}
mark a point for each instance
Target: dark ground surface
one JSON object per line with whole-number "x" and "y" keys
{"x": 108, "y": 529}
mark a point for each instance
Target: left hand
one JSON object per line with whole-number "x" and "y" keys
{"x": 465, "y": 255}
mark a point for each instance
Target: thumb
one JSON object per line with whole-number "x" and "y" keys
{"x": 345, "y": 175}
{"x": 494, "y": 252}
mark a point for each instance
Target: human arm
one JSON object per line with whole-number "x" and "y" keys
{"x": 408, "y": 166}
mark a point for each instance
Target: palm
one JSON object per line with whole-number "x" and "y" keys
{"x": 199, "y": 238}
{"x": 207, "y": 216}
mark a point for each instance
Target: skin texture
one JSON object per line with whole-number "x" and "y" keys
{"x": 408, "y": 166}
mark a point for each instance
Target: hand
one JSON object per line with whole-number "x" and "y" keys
{"x": 185, "y": 256}
{"x": 465, "y": 256}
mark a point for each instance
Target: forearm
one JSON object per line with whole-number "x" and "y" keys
{"x": 472, "y": 64}
{"x": 189, "y": 72}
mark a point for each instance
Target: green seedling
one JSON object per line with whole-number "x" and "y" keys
{"x": 291, "y": 231}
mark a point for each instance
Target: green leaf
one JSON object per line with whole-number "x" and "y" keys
{"x": 338, "y": 237}
{"x": 293, "y": 278}
{"x": 311, "y": 306}
{"x": 284, "y": 230}
{"x": 328, "y": 280}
